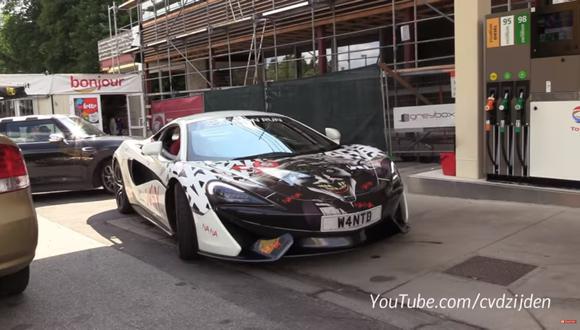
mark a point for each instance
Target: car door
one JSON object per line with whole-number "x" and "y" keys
{"x": 51, "y": 165}
{"x": 152, "y": 172}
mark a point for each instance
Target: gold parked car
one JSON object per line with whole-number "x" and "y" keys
{"x": 18, "y": 224}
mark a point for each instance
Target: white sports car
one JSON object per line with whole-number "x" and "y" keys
{"x": 256, "y": 186}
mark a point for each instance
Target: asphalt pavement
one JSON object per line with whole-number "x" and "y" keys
{"x": 82, "y": 283}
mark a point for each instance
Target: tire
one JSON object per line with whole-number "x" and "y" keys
{"x": 397, "y": 225}
{"x": 185, "y": 232}
{"x": 123, "y": 204}
{"x": 107, "y": 177}
{"x": 16, "y": 283}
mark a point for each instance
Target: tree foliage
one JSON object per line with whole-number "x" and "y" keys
{"x": 291, "y": 68}
{"x": 52, "y": 35}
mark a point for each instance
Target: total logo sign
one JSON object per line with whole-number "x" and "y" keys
{"x": 576, "y": 114}
{"x": 576, "y": 118}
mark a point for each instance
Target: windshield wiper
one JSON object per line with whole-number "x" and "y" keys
{"x": 84, "y": 137}
{"x": 319, "y": 151}
{"x": 268, "y": 155}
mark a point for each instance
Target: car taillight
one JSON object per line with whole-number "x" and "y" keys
{"x": 13, "y": 174}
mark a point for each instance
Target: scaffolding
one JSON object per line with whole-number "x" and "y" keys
{"x": 192, "y": 45}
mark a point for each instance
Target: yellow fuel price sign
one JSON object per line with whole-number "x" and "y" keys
{"x": 492, "y": 34}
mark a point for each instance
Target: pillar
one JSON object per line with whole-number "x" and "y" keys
{"x": 469, "y": 18}
{"x": 409, "y": 48}
{"x": 385, "y": 39}
{"x": 322, "y": 61}
{"x": 298, "y": 61}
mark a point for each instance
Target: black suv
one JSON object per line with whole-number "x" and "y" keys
{"x": 63, "y": 152}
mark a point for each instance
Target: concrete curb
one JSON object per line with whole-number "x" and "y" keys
{"x": 435, "y": 184}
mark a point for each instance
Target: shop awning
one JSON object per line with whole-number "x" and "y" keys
{"x": 73, "y": 84}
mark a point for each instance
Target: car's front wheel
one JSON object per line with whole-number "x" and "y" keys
{"x": 123, "y": 204}
{"x": 399, "y": 224}
{"x": 185, "y": 226}
{"x": 16, "y": 283}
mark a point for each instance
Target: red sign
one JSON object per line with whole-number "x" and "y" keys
{"x": 175, "y": 108}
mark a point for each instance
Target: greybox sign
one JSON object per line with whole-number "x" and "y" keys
{"x": 421, "y": 117}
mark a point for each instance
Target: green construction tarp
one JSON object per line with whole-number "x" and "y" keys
{"x": 350, "y": 101}
{"x": 243, "y": 98}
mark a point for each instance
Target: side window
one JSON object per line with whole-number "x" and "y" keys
{"x": 156, "y": 136}
{"x": 31, "y": 131}
{"x": 171, "y": 140}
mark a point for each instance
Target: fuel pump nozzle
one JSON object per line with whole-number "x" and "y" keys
{"x": 489, "y": 108}
{"x": 504, "y": 107}
{"x": 504, "y": 119}
{"x": 490, "y": 122}
{"x": 519, "y": 109}
{"x": 520, "y": 101}
{"x": 490, "y": 104}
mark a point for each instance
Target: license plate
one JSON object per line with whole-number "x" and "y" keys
{"x": 353, "y": 221}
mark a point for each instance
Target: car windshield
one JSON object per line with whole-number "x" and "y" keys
{"x": 252, "y": 137}
{"x": 79, "y": 128}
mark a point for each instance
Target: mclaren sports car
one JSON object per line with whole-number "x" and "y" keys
{"x": 253, "y": 186}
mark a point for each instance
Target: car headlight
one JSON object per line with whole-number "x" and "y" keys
{"x": 223, "y": 193}
{"x": 388, "y": 166}
{"x": 394, "y": 171}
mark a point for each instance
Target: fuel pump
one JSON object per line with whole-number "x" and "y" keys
{"x": 532, "y": 60}
{"x": 507, "y": 58}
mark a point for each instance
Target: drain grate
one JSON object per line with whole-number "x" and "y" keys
{"x": 490, "y": 270}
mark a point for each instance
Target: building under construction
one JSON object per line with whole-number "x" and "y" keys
{"x": 187, "y": 47}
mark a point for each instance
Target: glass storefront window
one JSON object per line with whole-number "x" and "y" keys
{"x": 12, "y": 108}
{"x": 7, "y": 109}
{"x": 26, "y": 108}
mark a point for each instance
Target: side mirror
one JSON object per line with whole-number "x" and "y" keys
{"x": 152, "y": 148}
{"x": 333, "y": 134}
{"x": 56, "y": 138}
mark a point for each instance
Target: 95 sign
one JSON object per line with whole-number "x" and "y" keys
{"x": 507, "y": 31}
